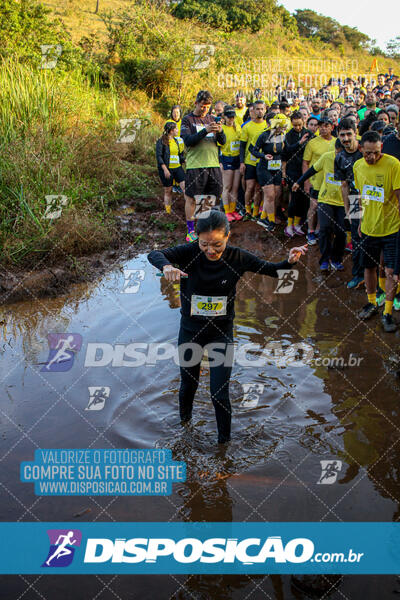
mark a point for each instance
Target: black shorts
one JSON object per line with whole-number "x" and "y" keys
{"x": 372, "y": 246}
{"x": 230, "y": 163}
{"x": 207, "y": 180}
{"x": 268, "y": 177}
{"x": 250, "y": 172}
{"x": 177, "y": 174}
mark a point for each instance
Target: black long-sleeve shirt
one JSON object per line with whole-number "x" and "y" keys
{"x": 265, "y": 144}
{"x": 212, "y": 278}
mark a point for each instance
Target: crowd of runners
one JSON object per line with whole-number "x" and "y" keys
{"x": 322, "y": 165}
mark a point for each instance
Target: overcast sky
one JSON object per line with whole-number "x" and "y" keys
{"x": 379, "y": 22}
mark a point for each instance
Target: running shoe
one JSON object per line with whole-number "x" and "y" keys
{"x": 380, "y": 298}
{"x": 396, "y": 302}
{"x": 289, "y": 231}
{"x": 298, "y": 230}
{"x": 355, "y": 282}
{"x": 237, "y": 216}
{"x": 324, "y": 266}
{"x": 191, "y": 236}
{"x": 248, "y": 217}
{"x": 263, "y": 222}
{"x": 337, "y": 266}
{"x": 388, "y": 323}
{"x": 349, "y": 247}
{"x": 311, "y": 239}
{"x": 230, "y": 217}
{"x": 176, "y": 189}
{"x": 368, "y": 311}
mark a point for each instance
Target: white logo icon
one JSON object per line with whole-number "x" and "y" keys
{"x": 129, "y": 129}
{"x": 202, "y": 55}
{"x": 50, "y": 55}
{"x": 329, "y": 471}
{"x": 133, "y": 277}
{"x": 251, "y": 394}
{"x": 97, "y": 397}
{"x": 54, "y": 206}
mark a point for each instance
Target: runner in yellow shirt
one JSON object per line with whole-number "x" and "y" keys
{"x": 377, "y": 179}
{"x": 315, "y": 148}
{"x": 331, "y": 213}
{"x": 250, "y": 133}
{"x": 175, "y": 117}
{"x": 230, "y": 161}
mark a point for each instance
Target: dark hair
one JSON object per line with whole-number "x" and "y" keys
{"x": 203, "y": 96}
{"x": 215, "y": 220}
{"x": 312, "y": 119}
{"x": 175, "y": 106}
{"x": 296, "y": 115}
{"x": 346, "y": 123}
{"x": 378, "y": 126}
{"x": 385, "y": 112}
{"x": 370, "y": 136}
{"x": 397, "y": 96}
{"x": 283, "y": 105}
{"x": 168, "y": 127}
{"x": 258, "y": 102}
{"x": 366, "y": 123}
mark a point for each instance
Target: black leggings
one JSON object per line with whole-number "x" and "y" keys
{"x": 204, "y": 333}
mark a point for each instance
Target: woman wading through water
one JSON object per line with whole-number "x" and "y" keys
{"x": 210, "y": 270}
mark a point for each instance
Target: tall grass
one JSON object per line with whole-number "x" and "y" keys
{"x": 58, "y": 133}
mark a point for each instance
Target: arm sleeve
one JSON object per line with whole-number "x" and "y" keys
{"x": 220, "y": 137}
{"x": 339, "y": 174}
{"x": 242, "y": 151}
{"x": 191, "y": 139}
{"x": 309, "y": 173}
{"x": 179, "y": 255}
{"x": 256, "y": 149}
{"x": 159, "y": 152}
{"x": 251, "y": 262}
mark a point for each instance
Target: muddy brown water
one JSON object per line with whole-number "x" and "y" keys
{"x": 269, "y": 472}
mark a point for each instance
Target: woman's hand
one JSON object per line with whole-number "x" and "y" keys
{"x": 173, "y": 274}
{"x": 295, "y": 187}
{"x": 166, "y": 172}
{"x": 269, "y": 156}
{"x": 296, "y": 253}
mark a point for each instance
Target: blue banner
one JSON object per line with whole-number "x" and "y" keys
{"x": 173, "y": 548}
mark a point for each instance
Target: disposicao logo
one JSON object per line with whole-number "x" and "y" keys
{"x": 62, "y": 547}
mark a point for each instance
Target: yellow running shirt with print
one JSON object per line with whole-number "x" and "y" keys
{"x": 232, "y": 144}
{"x": 313, "y": 151}
{"x": 250, "y": 134}
{"x": 376, "y": 184}
{"x": 331, "y": 190}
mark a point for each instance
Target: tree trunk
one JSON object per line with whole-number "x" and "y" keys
{"x": 97, "y": 7}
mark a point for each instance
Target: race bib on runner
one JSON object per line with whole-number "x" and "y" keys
{"x": 174, "y": 159}
{"x": 372, "y": 192}
{"x": 253, "y": 158}
{"x": 274, "y": 165}
{"x": 208, "y": 306}
{"x": 235, "y": 146}
{"x": 330, "y": 178}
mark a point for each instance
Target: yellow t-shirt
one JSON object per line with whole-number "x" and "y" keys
{"x": 239, "y": 115}
{"x": 250, "y": 134}
{"x": 174, "y": 149}
{"x": 232, "y": 144}
{"x": 376, "y": 185}
{"x": 177, "y": 123}
{"x": 313, "y": 151}
{"x": 330, "y": 191}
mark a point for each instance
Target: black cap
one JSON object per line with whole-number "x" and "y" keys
{"x": 229, "y": 111}
{"x": 325, "y": 120}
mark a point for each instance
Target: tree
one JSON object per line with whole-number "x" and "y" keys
{"x": 312, "y": 24}
{"x": 393, "y": 47}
